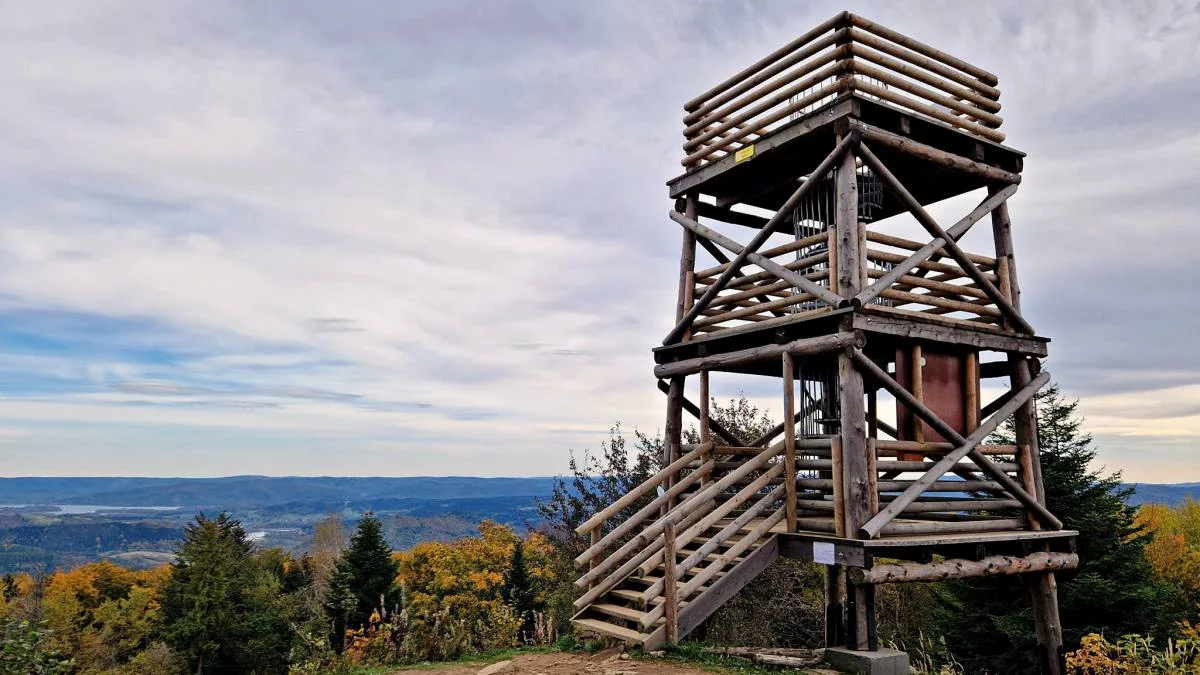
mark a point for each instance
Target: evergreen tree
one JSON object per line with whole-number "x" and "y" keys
{"x": 518, "y": 591}
{"x": 220, "y": 608}
{"x": 988, "y": 623}
{"x": 363, "y": 580}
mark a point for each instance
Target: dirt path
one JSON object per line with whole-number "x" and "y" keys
{"x": 607, "y": 662}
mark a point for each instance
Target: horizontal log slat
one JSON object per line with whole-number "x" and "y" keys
{"x": 840, "y": 19}
{"x": 929, "y": 58}
{"x": 825, "y": 91}
{"x": 929, "y": 153}
{"x": 808, "y": 70}
{"x": 945, "y": 570}
{"x": 981, "y": 116}
{"x": 900, "y": 242}
{"x": 783, "y": 249}
{"x": 861, "y": 52}
{"x": 801, "y": 347}
{"x": 929, "y": 110}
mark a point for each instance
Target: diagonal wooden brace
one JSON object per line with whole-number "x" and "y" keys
{"x": 966, "y": 447}
{"x": 794, "y": 278}
{"x": 716, "y": 426}
{"x": 750, "y": 250}
{"x": 931, "y": 249}
{"x": 949, "y": 244}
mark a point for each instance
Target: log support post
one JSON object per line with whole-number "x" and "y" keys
{"x": 670, "y": 588}
{"x": 705, "y": 422}
{"x": 853, "y": 432}
{"x": 673, "y": 434}
{"x": 789, "y": 439}
{"x": 1042, "y": 586}
{"x": 835, "y": 594}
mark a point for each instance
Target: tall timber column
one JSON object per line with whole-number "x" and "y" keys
{"x": 860, "y": 610}
{"x": 673, "y": 429}
{"x": 1043, "y": 587}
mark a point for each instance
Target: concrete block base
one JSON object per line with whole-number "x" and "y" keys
{"x": 878, "y": 662}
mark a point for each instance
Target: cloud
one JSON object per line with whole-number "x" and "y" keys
{"x": 352, "y": 234}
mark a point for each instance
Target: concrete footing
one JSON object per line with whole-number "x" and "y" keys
{"x": 878, "y": 662}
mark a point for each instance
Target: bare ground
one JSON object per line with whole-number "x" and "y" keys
{"x": 607, "y": 662}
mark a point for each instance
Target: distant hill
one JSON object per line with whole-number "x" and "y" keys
{"x": 237, "y": 492}
{"x": 1164, "y": 493}
{"x": 51, "y": 522}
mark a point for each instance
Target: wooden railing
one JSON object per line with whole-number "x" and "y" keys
{"x": 817, "y": 501}
{"x": 845, "y": 54}
{"x": 936, "y": 286}
{"x": 758, "y": 295}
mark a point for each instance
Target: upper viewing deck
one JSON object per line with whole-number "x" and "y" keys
{"x": 785, "y": 110}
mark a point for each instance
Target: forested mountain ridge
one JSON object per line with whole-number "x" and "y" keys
{"x": 57, "y": 523}
{"x": 239, "y": 491}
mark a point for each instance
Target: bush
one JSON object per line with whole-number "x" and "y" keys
{"x": 24, "y": 651}
{"x": 783, "y": 607}
{"x": 1134, "y": 654}
{"x": 156, "y": 659}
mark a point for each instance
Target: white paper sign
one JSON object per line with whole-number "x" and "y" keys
{"x": 823, "y": 553}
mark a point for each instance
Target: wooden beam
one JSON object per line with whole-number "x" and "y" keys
{"x": 801, "y": 347}
{"x": 853, "y": 435}
{"x": 966, "y": 445}
{"x": 945, "y": 570}
{"x": 714, "y": 251}
{"x": 706, "y": 210}
{"x": 888, "y": 324}
{"x": 1044, "y": 590}
{"x": 749, "y": 251}
{"x": 673, "y": 429}
{"x": 950, "y": 245}
{"x": 849, "y": 250}
{"x": 940, "y": 157}
{"x": 835, "y": 607}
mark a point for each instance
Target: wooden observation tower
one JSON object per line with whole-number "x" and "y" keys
{"x": 815, "y": 157}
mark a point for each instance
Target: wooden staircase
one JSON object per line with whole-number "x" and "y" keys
{"x": 671, "y": 564}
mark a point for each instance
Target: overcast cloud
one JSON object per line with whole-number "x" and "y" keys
{"x": 429, "y": 238}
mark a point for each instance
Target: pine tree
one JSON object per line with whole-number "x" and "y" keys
{"x": 363, "y": 580}
{"x": 518, "y": 591}
{"x": 988, "y": 623}
{"x": 220, "y": 609}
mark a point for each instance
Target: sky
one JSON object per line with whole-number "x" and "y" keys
{"x": 429, "y": 238}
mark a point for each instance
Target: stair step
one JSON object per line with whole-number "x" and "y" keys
{"x": 627, "y": 613}
{"x": 648, "y": 581}
{"x": 634, "y": 596}
{"x": 611, "y": 630}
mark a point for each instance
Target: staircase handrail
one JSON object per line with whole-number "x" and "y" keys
{"x": 638, "y": 492}
{"x": 676, "y": 514}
